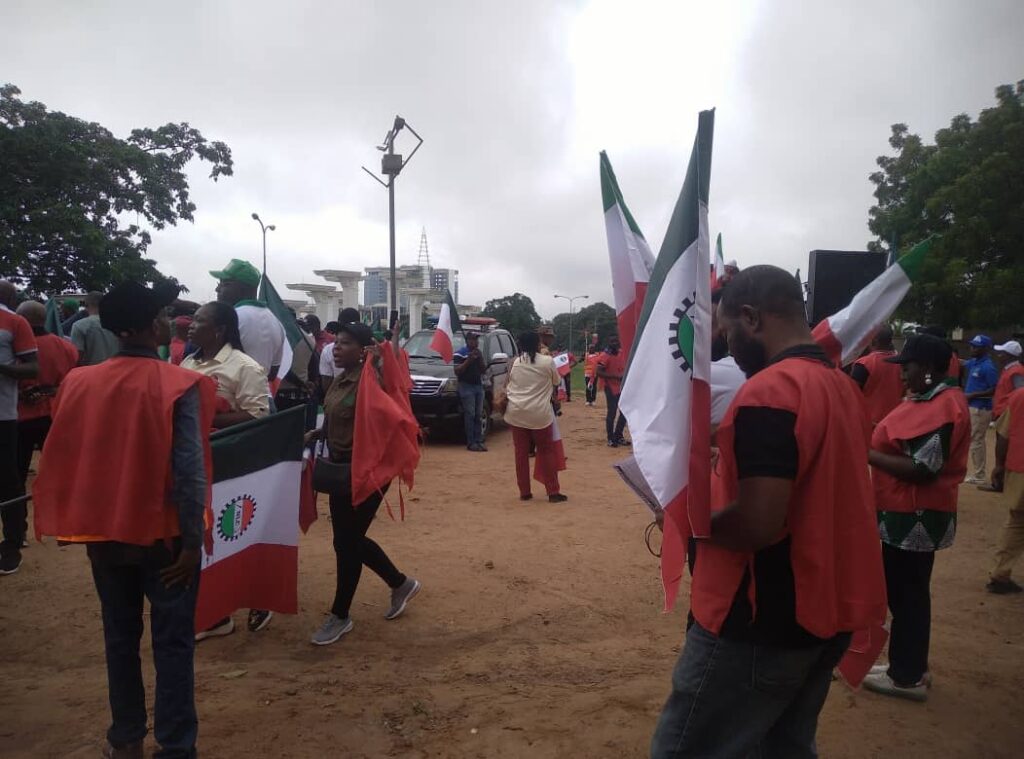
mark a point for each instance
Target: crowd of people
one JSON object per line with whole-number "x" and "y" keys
{"x": 832, "y": 489}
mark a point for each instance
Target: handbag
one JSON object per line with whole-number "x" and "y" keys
{"x": 331, "y": 477}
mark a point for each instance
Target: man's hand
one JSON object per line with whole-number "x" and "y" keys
{"x": 183, "y": 570}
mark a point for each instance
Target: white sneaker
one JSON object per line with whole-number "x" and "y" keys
{"x": 883, "y": 669}
{"x": 223, "y": 628}
{"x": 975, "y": 481}
{"x": 884, "y": 685}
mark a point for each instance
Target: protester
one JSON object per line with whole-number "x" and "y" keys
{"x": 142, "y": 520}
{"x": 470, "y": 367}
{"x": 726, "y": 376}
{"x": 567, "y": 379}
{"x": 590, "y": 373}
{"x": 349, "y": 521}
{"x": 982, "y": 377}
{"x": 611, "y": 368}
{"x": 262, "y": 334}
{"x": 179, "y": 340}
{"x": 71, "y": 311}
{"x": 295, "y": 384}
{"x": 1011, "y": 378}
{"x": 793, "y": 563}
{"x": 323, "y": 338}
{"x": 1008, "y": 477}
{"x": 879, "y": 379}
{"x": 56, "y": 357}
{"x": 18, "y": 362}
{"x": 95, "y": 344}
{"x": 242, "y": 395}
{"x": 328, "y": 371}
{"x": 547, "y": 338}
{"x": 918, "y": 458}
{"x": 532, "y": 384}
{"x": 955, "y": 370}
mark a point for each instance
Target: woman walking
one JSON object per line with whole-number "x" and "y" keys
{"x": 350, "y": 522}
{"x": 533, "y": 382}
{"x": 918, "y": 458}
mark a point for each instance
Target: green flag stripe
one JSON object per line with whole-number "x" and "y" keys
{"x": 612, "y": 195}
{"x": 453, "y": 313}
{"x": 912, "y": 261}
{"x": 258, "y": 444}
{"x": 268, "y": 294}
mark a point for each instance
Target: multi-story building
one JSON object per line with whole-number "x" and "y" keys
{"x": 445, "y": 279}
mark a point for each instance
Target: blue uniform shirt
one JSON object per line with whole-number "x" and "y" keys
{"x": 981, "y": 375}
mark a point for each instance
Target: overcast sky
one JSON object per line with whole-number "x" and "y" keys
{"x": 514, "y": 100}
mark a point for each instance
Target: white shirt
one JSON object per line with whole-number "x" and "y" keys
{"x": 726, "y": 380}
{"x": 327, "y": 367}
{"x": 262, "y": 335}
{"x": 529, "y": 392}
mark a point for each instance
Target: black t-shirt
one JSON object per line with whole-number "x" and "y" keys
{"x": 472, "y": 374}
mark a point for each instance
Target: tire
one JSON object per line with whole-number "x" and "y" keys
{"x": 485, "y": 419}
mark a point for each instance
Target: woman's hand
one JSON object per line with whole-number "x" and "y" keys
{"x": 371, "y": 353}
{"x": 310, "y": 437}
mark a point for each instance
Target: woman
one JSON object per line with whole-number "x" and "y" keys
{"x": 352, "y": 346}
{"x": 242, "y": 395}
{"x": 533, "y": 382}
{"x": 918, "y": 458}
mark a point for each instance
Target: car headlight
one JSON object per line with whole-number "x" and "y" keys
{"x": 450, "y": 386}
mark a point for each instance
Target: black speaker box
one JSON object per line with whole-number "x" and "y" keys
{"x": 835, "y": 276}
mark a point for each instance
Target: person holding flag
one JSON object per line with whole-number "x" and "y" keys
{"x": 469, "y": 369}
{"x": 878, "y": 377}
{"x": 611, "y": 368}
{"x": 448, "y": 324}
{"x": 263, "y": 335}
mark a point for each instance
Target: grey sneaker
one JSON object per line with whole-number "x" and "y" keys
{"x": 401, "y": 596}
{"x": 332, "y": 629}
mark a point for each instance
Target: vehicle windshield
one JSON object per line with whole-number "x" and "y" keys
{"x": 418, "y": 346}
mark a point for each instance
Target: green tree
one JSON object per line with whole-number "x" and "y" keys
{"x": 515, "y": 313}
{"x": 69, "y": 190}
{"x": 597, "y": 317}
{"x": 969, "y": 187}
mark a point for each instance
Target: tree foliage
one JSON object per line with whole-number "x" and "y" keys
{"x": 515, "y": 313}
{"x": 597, "y": 317}
{"x": 73, "y": 196}
{"x": 969, "y": 187}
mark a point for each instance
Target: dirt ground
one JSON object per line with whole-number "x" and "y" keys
{"x": 538, "y": 633}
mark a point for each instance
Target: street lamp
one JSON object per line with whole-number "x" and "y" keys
{"x": 265, "y": 228}
{"x": 571, "y": 300}
{"x": 391, "y": 166}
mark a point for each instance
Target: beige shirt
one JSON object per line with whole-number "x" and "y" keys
{"x": 529, "y": 392}
{"x": 241, "y": 380}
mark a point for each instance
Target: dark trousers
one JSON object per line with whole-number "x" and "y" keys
{"x": 591, "y": 389}
{"x": 735, "y": 699}
{"x": 15, "y": 517}
{"x": 567, "y": 381}
{"x": 353, "y": 548}
{"x": 614, "y": 427}
{"x": 122, "y": 588}
{"x": 472, "y": 398}
{"x": 31, "y": 436}
{"x": 908, "y": 576}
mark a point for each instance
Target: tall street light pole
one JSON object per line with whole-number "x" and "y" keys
{"x": 266, "y": 228}
{"x": 572, "y": 300}
{"x": 391, "y": 166}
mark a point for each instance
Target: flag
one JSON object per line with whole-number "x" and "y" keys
{"x": 667, "y": 394}
{"x": 845, "y": 334}
{"x": 52, "y": 323}
{"x": 563, "y": 364}
{"x": 447, "y": 325}
{"x": 250, "y": 556}
{"x": 860, "y": 657}
{"x": 629, "y": 254}
{"x": 718, "y": 273}
{"x": 293, "y": 335}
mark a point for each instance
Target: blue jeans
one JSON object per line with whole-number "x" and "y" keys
{"x": 472, "y": 397}
{"x": 122, "y": 588}
{"x": 734, "y": 699}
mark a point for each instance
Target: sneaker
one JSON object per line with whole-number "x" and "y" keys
{"x": 527, "y": 497}
{"x": 557, "y": 498}
{"x": 613, "y": 444}
{"x": 130, "y": 751}
{"x": 401, "y": 596}
{"x": 1003, "y": 587}
{"x": 259, "y": 619}
{"x": 622, "y": 441}
{"x": 332, "y": 629}
{"x": 224, "y": 627}
{"x": 481, "y": 447}
{"x": 975, "y": 481}
{"x": 883, "y": 684}
{"x": 883, "y": 669}
{"x": 10, "y": 562}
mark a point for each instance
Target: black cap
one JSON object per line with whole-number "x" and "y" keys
{"x": 927, "y": 350}
{"x": 362, "y": 334}
{"x": 131, "y": 306}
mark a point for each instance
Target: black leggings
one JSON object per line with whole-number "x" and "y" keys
{"x": 353, "y": 549}
{"x": 908, "y": 577}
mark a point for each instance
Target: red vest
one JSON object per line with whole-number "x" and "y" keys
{"x": 835, "y": 551}
{"x": 105, "y": 472}
{"x": 912, "y": 419}
{"x": 1015, "y": 454}
{"x": 884, "y": 389}
{"x": 1004, "y": 387}
{"x": 56, "y": 357}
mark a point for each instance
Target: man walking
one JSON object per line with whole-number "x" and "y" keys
{"x": 611, "y": 368}
{"x": 879, "y": 379}
{"x": 143, "y": 524}
{"x": 793, "y": 564}
{"x": 982, "y": 377}
{"x": 1008, "y": 476}
{"x": 469, "y": 369}
{"x": 95, "y": 344}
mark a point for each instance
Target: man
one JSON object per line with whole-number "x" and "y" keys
{"x": 469, "y": 369}
{"x": 262, "y": 334}
{"x": 726, "y": 376}
{"x": 18, "y": 361}
{"x": 56, "y": 357}
{"x": 322, "y": 337}
{"x": 180, "y": 339}
{"x": 955, "y": 365}
{"x": 547, "y": 338}
{"x": 295, "y": 385}
{"x": 1008, "y": 477}
{"x": 1011, "y": 378}
{"x": 328, "y": 371}
{"x": 980, "y": 385}
{"x": 143, "y": 522}
{"x": 793, "y": 564}
{"x": 878, "y": 378}
{"x": 611, "y": 368}
{"x": 95, "y": 344}
{"x": 71, "y": 311}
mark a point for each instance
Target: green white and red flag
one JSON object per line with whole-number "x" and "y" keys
{"x": 447, "y": 325}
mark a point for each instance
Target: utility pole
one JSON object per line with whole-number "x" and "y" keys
{"x": 571, "y": 300}
{"x": 265, "y": 228}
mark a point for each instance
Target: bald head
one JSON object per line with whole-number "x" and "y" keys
{"x": 882, "y": 341}
{"x": 34, "y": 313}
{"x": 8, "y": 293}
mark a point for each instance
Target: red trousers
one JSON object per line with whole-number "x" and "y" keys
{"x": 545, "y": 470}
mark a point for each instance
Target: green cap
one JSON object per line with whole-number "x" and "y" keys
{"x": 240, "y": 271}
{"x": 71, "y": 303}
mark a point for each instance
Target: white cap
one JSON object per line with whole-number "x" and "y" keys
{"x": 732, "y": 264}
{"x": 1011, "y": 346}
